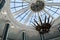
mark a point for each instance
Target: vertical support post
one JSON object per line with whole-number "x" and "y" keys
{"x": 59, "y": 27}
{"x": 23, "y": 36}
{"x": 5, "y": 31}
{"x": 41, "y": 36}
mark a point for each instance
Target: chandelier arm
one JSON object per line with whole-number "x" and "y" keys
{"x": 36, "y": 22}
{"x": 48, "y": 19}
{"x": 40, "y": 20}
{"x": 45, "y": 19}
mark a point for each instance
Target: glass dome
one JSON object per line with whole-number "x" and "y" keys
{"x": 23, "y": 13}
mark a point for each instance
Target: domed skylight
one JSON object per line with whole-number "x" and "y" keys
{"x": 26, "y": 11}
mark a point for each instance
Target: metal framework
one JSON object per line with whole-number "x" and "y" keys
{"x": 51, "y": 6}
{"x": 23, "y": 10}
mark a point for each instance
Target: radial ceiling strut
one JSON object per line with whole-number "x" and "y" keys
{"x": 52, "y": 4}
{"x": 29, "y": 16}
{"x": 21, "y": 11}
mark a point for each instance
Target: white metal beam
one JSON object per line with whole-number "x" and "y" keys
{"x": 20, "y": 11}
{"x": 48, "y": 13}
{"x": 27, "y": 19}
{"x": 52, "y": 4}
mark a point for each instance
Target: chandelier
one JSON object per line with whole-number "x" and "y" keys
{"x": 43, "y": 27}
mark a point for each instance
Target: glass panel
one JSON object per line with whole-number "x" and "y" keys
{"x": 17, "y": 5}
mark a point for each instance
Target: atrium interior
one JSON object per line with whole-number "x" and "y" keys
{"x": 29, "y": 19}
